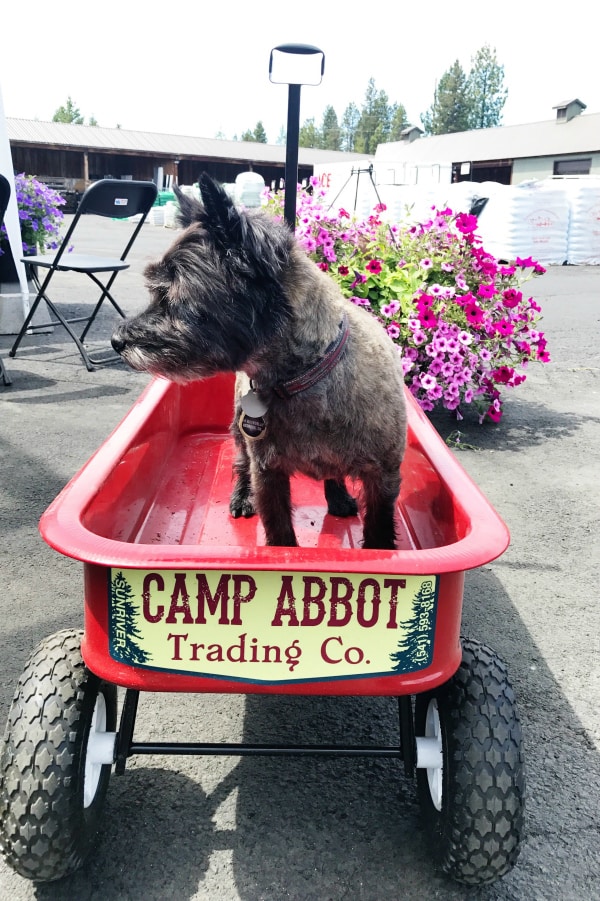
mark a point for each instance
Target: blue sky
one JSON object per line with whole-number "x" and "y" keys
{"x": 204, "y": 69}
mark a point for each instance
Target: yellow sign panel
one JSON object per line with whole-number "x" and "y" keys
{"x": 272, "y": 627}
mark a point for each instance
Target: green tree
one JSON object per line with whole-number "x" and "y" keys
{"x": 309, "y": 134}
{"x": 92, "y": 121}
{"x": 399, "y": 122}
{"x": 350, "y": 121}
{"x": 450, "y": 111}
{"x": 68, "y": 113}
{"x": 485, "y": 89}
{"x": 375, "y": 121}
{"x": 331, "y": 135}
{"x": 258, "y": 136}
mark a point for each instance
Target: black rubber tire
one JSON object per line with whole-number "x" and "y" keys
{"x": 475, "y": 835}
{"x": 46, "y": 831}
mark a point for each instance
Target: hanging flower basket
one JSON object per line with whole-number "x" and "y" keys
{"x": 464, "y": 327}
{"x": 40, "y": 218}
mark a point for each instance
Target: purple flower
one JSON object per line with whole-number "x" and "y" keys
{"x": 427, "y": 381}
{"x": 390, "y": 309}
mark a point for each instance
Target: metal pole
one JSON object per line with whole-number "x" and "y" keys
{"x": 291, "y": 155}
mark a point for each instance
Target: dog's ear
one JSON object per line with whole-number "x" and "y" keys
{"x": 217, "y": 213}
{"x": 190, "y": 209}
{"x": 220, "y": 217}
{"x": 233, "y": 230}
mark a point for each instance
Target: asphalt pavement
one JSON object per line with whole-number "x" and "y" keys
{"x": 262, "y": 829}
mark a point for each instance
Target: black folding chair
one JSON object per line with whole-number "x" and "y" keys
{"x": 4, "y": 198}
{"x": 110, "y": 198}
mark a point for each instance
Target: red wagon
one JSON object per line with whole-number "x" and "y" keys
{"x": 181, "y": 597}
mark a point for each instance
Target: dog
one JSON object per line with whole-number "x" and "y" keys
{"x": 319, "y": 385}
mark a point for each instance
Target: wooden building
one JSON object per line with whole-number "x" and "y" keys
{"x": 70, "y": 157}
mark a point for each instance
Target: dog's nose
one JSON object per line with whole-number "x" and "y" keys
{"x": 118, "y": 343}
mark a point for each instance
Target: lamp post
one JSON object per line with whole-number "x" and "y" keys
{"x": 294, "y": 65}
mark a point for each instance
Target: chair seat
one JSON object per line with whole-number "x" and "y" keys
{"x": 77, "y": 262}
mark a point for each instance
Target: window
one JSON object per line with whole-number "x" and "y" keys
{"x": 573, "y": 167}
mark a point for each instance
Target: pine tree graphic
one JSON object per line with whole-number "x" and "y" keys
{"x": 415, "y": 650}
{"x": 124, "y": 617}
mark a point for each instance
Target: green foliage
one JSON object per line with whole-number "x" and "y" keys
{"x": 360, "y": 130}
{"x": 449, "y": 111}
{"x": 309, "y": 134}
{"x": 331, "y": 134}
{"x": 68, "y": 113}
{"x": 375, "y": 123}
{"x": 349, "y": 125}
{"x": 486, "y": 92}
{"x": 462, "y": 102}
{"x": 399, "y": 121}
{"x": 258, "y": 136}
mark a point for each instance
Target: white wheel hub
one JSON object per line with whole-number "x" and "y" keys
{"x": 99, "y": 751}
{"x": 430, "y": 755}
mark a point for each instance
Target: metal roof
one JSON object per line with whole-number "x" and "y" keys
{"x": 549, "y": 138}
{"x": 92, "y": 137}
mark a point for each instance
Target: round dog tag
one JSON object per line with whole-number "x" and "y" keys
{"x": 252, "y": 427}
{"x": 253, "y": 405}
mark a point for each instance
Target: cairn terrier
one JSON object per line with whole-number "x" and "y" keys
{"x": 319, "y": 387}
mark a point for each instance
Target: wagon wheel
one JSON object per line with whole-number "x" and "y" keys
{"x": 54, "y": 768}
{"x": 473, "y": 804}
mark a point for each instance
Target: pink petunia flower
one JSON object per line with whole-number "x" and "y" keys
{"x": 466, "y": 223}
{"x": 474, "y": 313}
{"x": 427, "y": 318}
{"x": 390, "y": 309}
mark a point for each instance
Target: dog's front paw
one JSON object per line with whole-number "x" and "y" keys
{"x": 241, "y": 504}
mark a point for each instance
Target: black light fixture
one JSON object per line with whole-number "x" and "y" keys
{"x": 294, "y": 65}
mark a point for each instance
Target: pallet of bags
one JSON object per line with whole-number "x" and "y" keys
{"x": 526, "y": 220}
{"x": 584, "y": 223}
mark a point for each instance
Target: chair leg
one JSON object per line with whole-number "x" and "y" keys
{"x": 90, "y": 362}
{"x": 60, "y": 320}
{"x": 104, "y": 296}
{"x": 5, "y": 376}
{"x": 25, "y": 325}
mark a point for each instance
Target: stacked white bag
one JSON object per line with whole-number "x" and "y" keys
{"x": 584, "y": 225}
{"x": 526, "y": 220}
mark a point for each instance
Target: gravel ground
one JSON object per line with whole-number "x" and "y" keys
{"x": 254, "y": 829}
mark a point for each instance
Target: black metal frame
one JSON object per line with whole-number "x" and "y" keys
{"x": 108, "y": 198}
{"x": 4, "y": 198}
{"x": 126, "y": 747}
